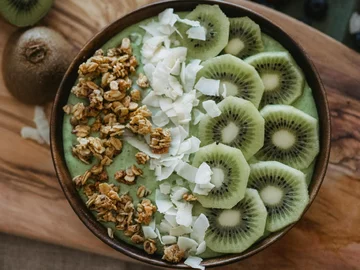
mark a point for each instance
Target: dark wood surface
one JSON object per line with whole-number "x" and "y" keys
{"x": 33, "y": 205}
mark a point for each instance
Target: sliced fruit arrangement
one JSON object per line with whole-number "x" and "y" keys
{"x": 234, "y": 230}
{"x": 291, "y": 136}
{"x": 244, "y": 38}
{"x": 24, "y": 12}
{"x": 283, "y": 80}
{"x": 216, "y": 25}
{"x": 239, "y": 125}
{"x": 230, "y": 175}
{"x": 283, "y": 191}
{"x": 236, "y": 76}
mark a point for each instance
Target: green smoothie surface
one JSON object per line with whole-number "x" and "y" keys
{"x": 127, "y": 158}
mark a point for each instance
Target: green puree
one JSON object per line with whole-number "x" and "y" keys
{"x": 127, "y": 157}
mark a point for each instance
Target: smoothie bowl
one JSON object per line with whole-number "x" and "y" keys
{"x": 190, "y": 134}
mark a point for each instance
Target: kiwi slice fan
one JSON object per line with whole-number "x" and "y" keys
{"x": 257, "y": 123}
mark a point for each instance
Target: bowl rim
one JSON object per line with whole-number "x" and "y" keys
{"x": 57, "y": 150}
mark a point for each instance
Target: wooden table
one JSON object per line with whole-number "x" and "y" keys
{"x": 328, "y": 237}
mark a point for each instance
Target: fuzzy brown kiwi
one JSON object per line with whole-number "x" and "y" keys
{"x": 34, "y": 63}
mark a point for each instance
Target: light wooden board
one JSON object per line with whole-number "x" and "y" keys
{"x": 328, "y": 237}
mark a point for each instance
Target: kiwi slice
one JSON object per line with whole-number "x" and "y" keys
{"x": 236, "y": 76}
{"x": 282, "y": 78}
{"x": 235, "y": 230}
{"x": 283, "y": 191}
{"x": 244, "y": 38}
{"x": 24, "y": 12}
{"x": 216, "y": 25}
{"x": 230, "y": 175}
{"x": 239, "y": 125}
{"x": 291, "y": 136}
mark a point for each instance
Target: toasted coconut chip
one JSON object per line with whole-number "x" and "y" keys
{"x": 194, "y": 262}
{"x": 197, "y": 32}
{"x": 211, "y": 108}
{"x": 208, "y": 87}
{"x": 31, "y": 133}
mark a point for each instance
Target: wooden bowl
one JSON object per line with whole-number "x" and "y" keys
{"x": 231, "y": 10}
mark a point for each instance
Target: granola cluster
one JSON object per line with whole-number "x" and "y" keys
{"x": 112, "y": 108}
{"x": 110, "y": 207}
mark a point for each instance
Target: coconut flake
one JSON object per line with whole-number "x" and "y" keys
{"x": 164, "y": 226}
{"x": 175, "y": 141}
{"x": 186, "y": 243}
{"x": 194, "y": 262}
{"x": 203, "y": 175}
{"x": 149, "y": 232}
{"x": 31, "y": 133}
{"x": 110, "y": 232}
{"x": 159, "y": 236}
{"x": 201, "y": 248}
{"x": 178, "y": 193}
{"x": 149, "y": 70}
{"x": 200, "y": 226}
{"x": 151, "y": 45}
{"x": 162, "y": 201}
{"x": 171, "y": 219}
{"x": 354, "y": 24}
{"x": 167, "y": 17}
{"x": 175, "y": 70}
{"x": 180, "y": 230}
{"x": 141, "y": 146}
{"x": 208, "y": 87}
{"x": 42, "y": 124}
{"x": 165, "y": 188}
{"x": 197, "y": 115}
{"x": 186, "y": 171}
{"x": 175, "y": 85}
{"x": 152, "y": 28}
{"x": 188, "y": 22}
{"x": 203, "y": 189}
{"x": 197, "y": 32}
{"x": 160, "y": 119}
{"x": 167, "y": 171}
{"x": 183, "y": 216}
{"x": 211, "y": 108}
{"x": 169, "y": 239}
{"x": 189, "y": 77}
{"x": 151, "y": 99}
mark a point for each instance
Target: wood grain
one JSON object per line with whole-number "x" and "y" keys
{"x": 32, "y": 203}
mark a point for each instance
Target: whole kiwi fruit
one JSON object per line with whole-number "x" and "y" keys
{"x": 34, "y": 62}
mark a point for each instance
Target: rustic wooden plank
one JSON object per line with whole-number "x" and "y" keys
{"x": 326, "y": 238}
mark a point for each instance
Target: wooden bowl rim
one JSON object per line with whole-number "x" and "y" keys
{"x": 112, "y": 29}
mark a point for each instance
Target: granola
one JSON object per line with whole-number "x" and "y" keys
{"x": 141, "y": 158}
{"x": 173, "y": 254}
{"x": 129, "y": 175}
{"x": 160, "y": 140}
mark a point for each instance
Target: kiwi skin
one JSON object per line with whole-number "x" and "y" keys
{"x": 34, "y": 63}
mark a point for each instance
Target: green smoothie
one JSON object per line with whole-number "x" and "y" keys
{"x": 127, "y": 157}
